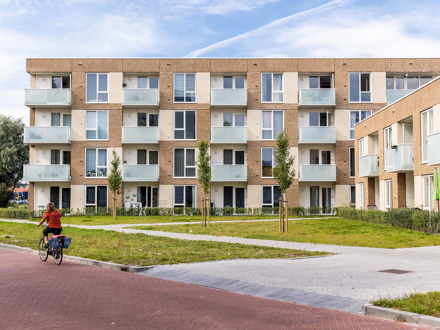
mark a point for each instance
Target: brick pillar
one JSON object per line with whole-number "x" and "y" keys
{"x": 31, "y": 196}
{"x": 370, "y": 192}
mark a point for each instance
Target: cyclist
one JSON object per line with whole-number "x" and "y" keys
{"x": 52, "y": 216}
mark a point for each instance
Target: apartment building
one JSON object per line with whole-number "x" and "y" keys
{"x": 398, "y": 149}
{"x": 154, "y": 112}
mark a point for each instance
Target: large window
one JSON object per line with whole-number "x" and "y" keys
{"x": 96, "y": 196}
{"x": 184, "y": 163}
{"x": 272, "y": 124}
{"x": 360, "y": 87}
{"x": 267, "y": 162}
{"x": 184, "y": 196}
{"x": 271, "y": 196}
{"x": 427, "y": 129}
{"x": 355, "y": 117}
{"x": 147, "y": 120}
{"x": 351, "y": 162}
{"x": 97, "y": 125}
{"x": 407, "y": 82}
{"x": 388, "y": 194}
{"x": 96, "y": 163}
{"x": 184, "y": 125}
{"x": 428, "y": 192}
{"x": 272, "y": 87}
{"x": 97, "y": 87}
{"x": 184, "y": 87}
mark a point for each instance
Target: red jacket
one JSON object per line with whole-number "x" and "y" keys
{"x": 53, "y": 219}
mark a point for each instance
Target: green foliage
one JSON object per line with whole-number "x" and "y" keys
{"x": 420, "y": 303}
{"x": 115, "y": 176}
{"x": 283, "y": 171}
{"x": 13, "y": 152}
{"x": 5, "y": 194}
{"x": 16, "y": 213}
{"x": 204, "y": 167}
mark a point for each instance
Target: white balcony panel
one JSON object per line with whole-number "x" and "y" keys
{"x": 229, "y": 97}
{"x": 229, "y": 173}
{"x": 140, "y": 135}
{"x": 368, "y": 165}
{"x": 140, "y": 97}
{"x": 47, "y": 98}
{"x": 228, "y": 134}
{"x": 317, "y": 173}
{"x": 434, "y": 149}
{"x": 40, "y": 135}
{"x": 45, "y": 173}
{"x": 317, "y": 96}
{"x": 317, "y": 134}
{"x": 141, "y": 173}
{"x": 394, "y": 94}
{"x": 399, "y": 158}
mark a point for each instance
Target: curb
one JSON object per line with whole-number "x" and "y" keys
{"x": 84, "y": 261}
{"x": 400, "y": 316}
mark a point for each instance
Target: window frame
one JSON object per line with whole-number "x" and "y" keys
{"x": 388, "y": 194}
{"x": 428, "y": 179}
{"x": 148, "y": 85}
{"x": 271, "y": 124}
{"x": 361, "y": 196}
{"x": 184, "y": 87}
{"x": 272, "y": 93}
{"x": 185, "y": 167}
{"x": 352, "y": 171}
{"x": 184, "y": 196}
{"x": 360, "y": 91}
{"x": 429, "y": 128}
{"x": 360, "y": 112}
{"x": 271, "y": 196}
{"x": 61, "y": 78}
{"x": 97, "y": 168}
{"x": 184, "y": 125}
{"x": 147, "y": 119}
{"x": 97, "y": 74}
{"x": 96, "y": 127}
{"x": 95, "y": 205}
{"x": 273, "y": 162}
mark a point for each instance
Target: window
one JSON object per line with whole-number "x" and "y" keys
{"x": 428, "y": 192}
{"x": 184, "y": 87}
{"x": 66, "y": 157}
{"x": 267, "y": 162}
{"x": 97, "y": 125}
{"x": 55, "y": 119}
{"x": 97, "y": 87}
{"x": 148, "y": 196}
{"x": 271, "y": 196}
{"x": 184, "y": 196}
{"x": 353, "y": 195}
{"x": 61, "y": 82}
{"x": 231, "y": 119}
{"x": 228, "y": 157}
{"x": 184, "y": 163}
{"x": 360, "y": 87}
{"x": 55, "y": 157}
{"x": 320, "y": 82}
{"x": 407, "y": 82}
{"x": 96, "y": 196}
{"x": 150, "y": 120}
{"x": 319, "y": 119}
{"x": 387, "y": 135}
{"x": 427, "y": 129}
{"x": 351, "y": 162}
{"x": 326, "y": 157}
{"x": 184, "y": 125}
{"x": 233, "y": 82}
{"x": 388, "y": 194}
{"x": 148, "y": 82}
{"x": 272, "y": 124}
{"x": 142, "y": 156}
{"x": 362, "y": 196}
{"x": 355, "y": 117}
{"x": 272, "y": 87}
{"x": 96, "y": 163}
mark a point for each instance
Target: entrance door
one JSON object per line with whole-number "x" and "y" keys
{"x": 326, "y": 200}
{"x": 239, "y": 197}
{"x": 228, "y": 198}
{"x": 65, "y": 198}
{"x": 142, "y": 195}
{"x": 314, "y": 196}
{"x": 55, "y": 196}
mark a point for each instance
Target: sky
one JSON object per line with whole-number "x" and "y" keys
{"x": 206, "y": 28}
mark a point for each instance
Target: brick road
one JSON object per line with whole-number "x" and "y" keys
{"x": 41, "y": 295}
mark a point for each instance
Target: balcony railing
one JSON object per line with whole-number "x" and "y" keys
{"x": 368, "y": 165}
{"x": 394, "y": 94}
{"x": 47, "y": 97}
{"x": 140, "y": 97}
{"x": 229, "y": 97}
{"x": 143, "y": 173}
{"x": 140, "y": 135}
{"x": 228, "y": 134}
{"x": 433, "y": 149}
{"x": 35, "y": 135}
{"x": 317, "y": 96}
{"x": 399, "y": 158}
{"x": 317, "y": 173}
{"x": 45, "y": 173}
{"x": 227, "y": 173}
{"x": 317, "y": 134}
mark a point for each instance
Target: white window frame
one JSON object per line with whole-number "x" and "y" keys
{"x": 360, "y": 87}
{"x": 183, "y": 205}
{"x": 147, "y": 156}
{"x": 361, "y": 196}
{"x": 388, "y": 194}
{"x": 360, "y": 119}
{"x": 271, "y": 128}
{"x": 148, "y": 118}
{"x": 271, "y": 195}
{"x": 96, "y": 165}
{"x": 184, "y": 125}
{"x": 148, "y": 82}
{"x": 97, "y": 87}
{"x": 426, "y": 125}
{"x": 428, "y": 201}
{"x": 61, "y": 76}
{"x": 96, "y": 196}
{"x": 273, "y": 92}
{"x": 96, "y": 127}
{"x": 319, "y": 81}
{"x": 273, "y": 161}
{"x": 184, "y": 87}
{"x": 406, "y": 78}
{"x": 234, "y": 77}
{"x": 184, "y": 162}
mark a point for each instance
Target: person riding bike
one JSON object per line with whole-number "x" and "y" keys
{"x": 52, "y": 216}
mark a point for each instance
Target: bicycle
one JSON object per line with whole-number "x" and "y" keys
{"x": 57, "y": 253}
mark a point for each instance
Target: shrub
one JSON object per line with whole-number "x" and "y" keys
{"x": 5, "y": 195}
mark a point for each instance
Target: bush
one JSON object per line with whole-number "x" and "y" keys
{"x": 16, "y": 214}
{"x": 5, "y": 195}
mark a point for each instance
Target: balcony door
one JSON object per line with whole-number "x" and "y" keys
{"x": 326, "y": 200}
{"x": 314, "y": 196}
{"x": 148, "y": 196}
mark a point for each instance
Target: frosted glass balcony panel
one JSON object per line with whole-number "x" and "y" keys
{"x": 317, "y": 96}
{"x": 140, "y": 97}
{"x": 47, "y": 97}
{"x": 228, "y": 134}
{"x": 143, "y": 173}
{"x": 317, "y": 173}
{"x": 44, "y": 173}
{"x": 317, "y": 134}
{"x": 433, "y": 149}
{"x": 229, "y": 96}
{"x": 394, "y": 94}
{"x": 227, "y": 173}
{"x": 140, "y": 135}
{"x": 36, "y": 135}
{"x": 399, "y": 158}
{"x": 368, "y": 165}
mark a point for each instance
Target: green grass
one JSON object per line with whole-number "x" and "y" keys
{"x": 139, "y": 249}
{"x": 420, "y": 303}
{"x": 321, "y": 231}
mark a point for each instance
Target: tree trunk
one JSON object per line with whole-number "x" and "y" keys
{"x": 114, "y": 206}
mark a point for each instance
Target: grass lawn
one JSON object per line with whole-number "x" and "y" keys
{"x": 139, "y": 249}
{"x": 323, "y": 231}
{"x": 420, "y": 303}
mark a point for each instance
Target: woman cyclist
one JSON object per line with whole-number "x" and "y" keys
{"x": 52, "y": 216}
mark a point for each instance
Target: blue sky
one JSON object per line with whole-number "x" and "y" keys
{"x": 207, "y": 28}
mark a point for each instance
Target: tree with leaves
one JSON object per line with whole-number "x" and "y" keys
{"x": 115, "y": 180}
{"x": 204, "y": 175}
{"x": 283, "y": 172}
{"x": 13, "y": 152}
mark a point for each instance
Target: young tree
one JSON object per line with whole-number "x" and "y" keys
{"x": 204, "y": 175}
{"x": 115, "y": 180}
{"x": 283, "y": 171}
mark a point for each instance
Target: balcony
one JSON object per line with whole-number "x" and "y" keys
{"x": 140, "y": 173}
{"x": 47, "y": 98}
{"x": 229, "y": 97}
{"x": 140, "y": 97}
{"x": 317, "y": 173}
{"x": 394, "y": 94}
{"x": 229, "y": 173}
{"x": 317, "y": 96}
{"x": 368, "y": 166}
{"x": 433, "y": 149}
{"x": 228, "y": 134}
{"x": 140, "y": 135}
{"x": 317, "y": 134}
{"x": 41, "y": 135}
{"x": 46, "y": 173}
{"x": 399, "y": 158}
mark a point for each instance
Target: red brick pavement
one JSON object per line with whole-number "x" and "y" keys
{"x": 37, "y": 295}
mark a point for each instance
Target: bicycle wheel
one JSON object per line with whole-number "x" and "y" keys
{"x": 42, "y": 251}
{"x": 58, "y": 255}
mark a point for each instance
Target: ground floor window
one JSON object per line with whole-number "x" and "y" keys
{"x": 148, "y": 196}
{"x": 324, "y": 201}
{"x": 353, "y": 195}
{"x": 229, "y": 197}
{"x": 271, "y": 196}
{"x": 388, "y": 194}
{"x": 184, "y": 196}
{"x": 60, "y": 197}
{"x": 428, "y": 192}
{"x": 96, "y": 196}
